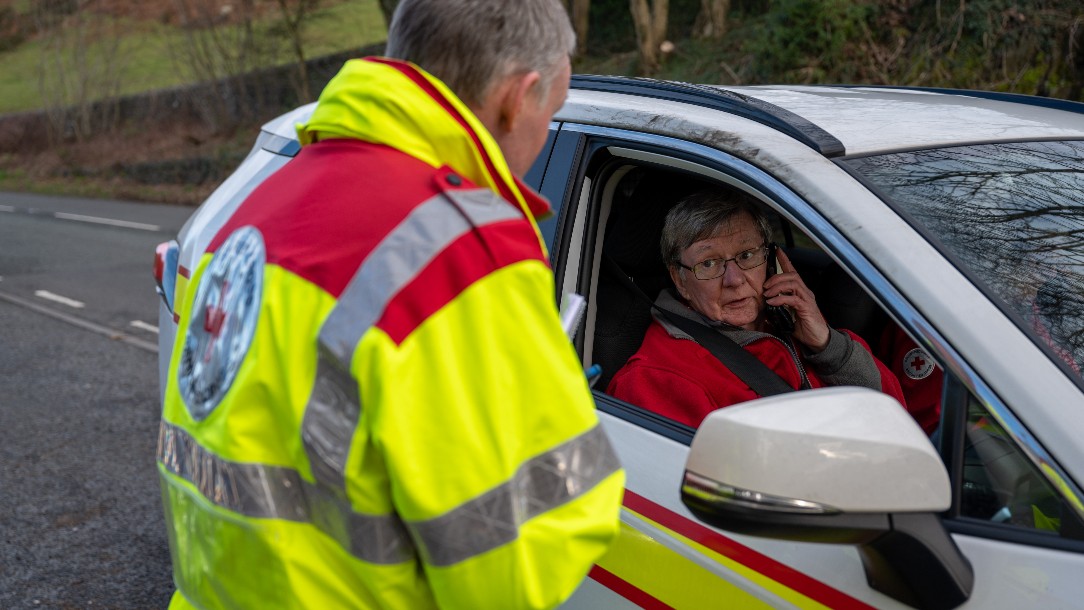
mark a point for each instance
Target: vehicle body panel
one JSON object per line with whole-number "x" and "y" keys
{"x": 870, "y": 120}
{"x": 666, "y": 557}
{"x": 965, "y": 319}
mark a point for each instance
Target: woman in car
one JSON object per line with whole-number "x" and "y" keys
{"x": 717, "y": 246}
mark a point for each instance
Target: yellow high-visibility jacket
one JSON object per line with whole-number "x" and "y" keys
{"x": 371, "y": 401}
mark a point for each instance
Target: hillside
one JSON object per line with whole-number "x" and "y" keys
{"x": 157, "y": 152}
{"x": 154, "y": 152}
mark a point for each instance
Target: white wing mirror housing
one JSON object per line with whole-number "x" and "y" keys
{"x": 829, "y": 450}
{"x": 834, "y": 465}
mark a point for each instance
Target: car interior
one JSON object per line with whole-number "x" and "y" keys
{"x": 632, "y": 273}
{"x": 628, "y": 201}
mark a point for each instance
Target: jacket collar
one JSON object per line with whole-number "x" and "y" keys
{"x": 668, "y": 302}
{"x": 397, "y": 104}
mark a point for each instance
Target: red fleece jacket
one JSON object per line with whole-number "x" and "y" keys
{"x": 679, "y": 379}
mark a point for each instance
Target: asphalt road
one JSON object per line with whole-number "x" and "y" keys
{"x": 80, "y": 511}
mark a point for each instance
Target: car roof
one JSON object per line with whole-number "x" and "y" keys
{"x": 841, "y": 120}
{"x": 858, "y": 120}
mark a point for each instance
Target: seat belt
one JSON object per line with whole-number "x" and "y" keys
{"x": 747, "y": 367}
{"x": 761, "y": 379}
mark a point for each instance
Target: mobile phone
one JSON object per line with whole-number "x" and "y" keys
{"x": 781, "y": 317}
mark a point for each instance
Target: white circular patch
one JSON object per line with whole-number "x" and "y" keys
{"x": 222, "y": 322}
{"x": 917, "y": 364}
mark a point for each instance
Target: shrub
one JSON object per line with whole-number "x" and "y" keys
{"x": 804, "y": 40}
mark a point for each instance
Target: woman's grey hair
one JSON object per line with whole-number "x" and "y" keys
{"x": 702, "y": 215}
{"x": 471, "y": 44}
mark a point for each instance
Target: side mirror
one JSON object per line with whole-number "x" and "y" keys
{"x": 834, "y": 465}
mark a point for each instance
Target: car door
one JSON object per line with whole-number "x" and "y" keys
{"x": 666, "y": 556}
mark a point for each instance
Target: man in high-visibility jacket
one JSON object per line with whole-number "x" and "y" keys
{"x": 372, "y": 403}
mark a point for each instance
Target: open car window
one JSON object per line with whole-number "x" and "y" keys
{"x": 1000, "y": 486}
{"x": 632, "y": 201}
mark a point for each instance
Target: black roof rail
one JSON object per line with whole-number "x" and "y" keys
{"x": 731, "y": 102}
{"x": 999, "y": 96}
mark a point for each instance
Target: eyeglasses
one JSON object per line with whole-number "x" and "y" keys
{"x": 715, "y": 267}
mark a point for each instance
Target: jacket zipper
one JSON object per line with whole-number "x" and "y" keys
{"x": 805, "y": 385}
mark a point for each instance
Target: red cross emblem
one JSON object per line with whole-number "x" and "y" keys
{"x": 223, "y": 321}
{"x": 917, "y": 364}
{"x": 214, "y": 316}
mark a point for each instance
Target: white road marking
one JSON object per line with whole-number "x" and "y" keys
{"x": 6, "y": 208}
{"x": 116, "y": 335}
{"x": 108, "y": 221}
{"x": 143, "y": 326}
{"x": 56, "y": 298}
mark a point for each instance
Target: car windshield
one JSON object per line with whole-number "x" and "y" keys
{"x": 1013, "y": 215}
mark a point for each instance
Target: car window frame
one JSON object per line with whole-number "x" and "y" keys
{"x": 959, "y": 372}
{"x": 588, "y": 140}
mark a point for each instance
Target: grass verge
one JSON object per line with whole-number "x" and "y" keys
{"x": 150, "y": 53}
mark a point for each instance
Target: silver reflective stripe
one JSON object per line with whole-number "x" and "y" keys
{"x": 329, "y": 421}
{"x": 539, "y": 485}
{"x": 333, "y": 410}
{"x": 263, "y": 491}
{"x": 255, "y": 490}
{"x": 404, "y": 252}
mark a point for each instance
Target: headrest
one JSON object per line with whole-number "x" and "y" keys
{"x": 641, "y": 201}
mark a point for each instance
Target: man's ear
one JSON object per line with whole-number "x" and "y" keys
{"x": 519, "y": 89}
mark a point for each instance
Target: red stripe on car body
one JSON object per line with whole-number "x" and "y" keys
{"x": 626, "y": 589}
{"x": 781, "y": 573}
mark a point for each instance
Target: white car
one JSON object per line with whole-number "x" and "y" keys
{"x": 957, "y": 217}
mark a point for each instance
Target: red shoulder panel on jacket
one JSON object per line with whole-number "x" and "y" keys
{"x": 467, "y": 260}
{"x": 325, "y": 211}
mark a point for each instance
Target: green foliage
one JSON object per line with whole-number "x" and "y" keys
{"x": 682, "y": 17}
{"x": 804, "y": 40}
{"x": 610, "y": 28}
{"x": 1035, "y": 48}
{"x": 12, "y": 28}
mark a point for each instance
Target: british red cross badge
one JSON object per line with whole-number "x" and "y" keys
{"x": 917, "y": 364}
{"x": 222, "y": 321}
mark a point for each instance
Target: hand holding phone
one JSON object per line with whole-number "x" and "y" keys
{"x": 781, "y": 317}
{"x": 800, "y": 317}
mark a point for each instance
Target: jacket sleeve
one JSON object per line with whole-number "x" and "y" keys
{"x": 495, "y": 457}
{"x": 847, "y": 360}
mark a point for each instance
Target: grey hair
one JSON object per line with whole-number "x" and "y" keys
{"x": 471, "y": 44}
{"x": 702, "y": 215}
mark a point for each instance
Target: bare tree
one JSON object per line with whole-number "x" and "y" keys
{"x": 221, "y": 45}
{"x": 650, "y": 22}
{"x": 580, "y": 12}
{"x": 81, "y": 67}
{"x": 295, "y": 14}
{"x": 1075, "y": 58}
{"x": 711, "y": 22}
